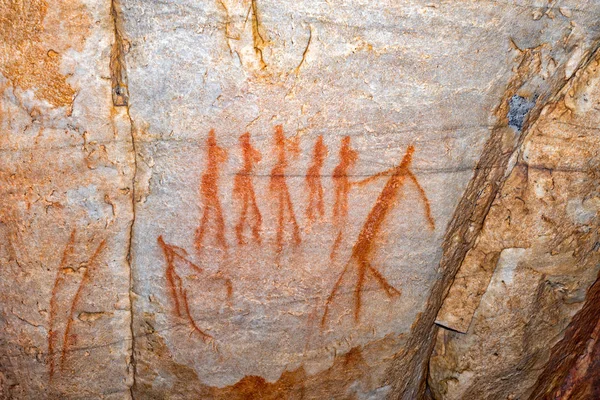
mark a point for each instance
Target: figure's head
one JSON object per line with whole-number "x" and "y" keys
{"x": 245, "y": 139}
{"x": 320, "y": 148}
{"x": 345, "y": 143}
{"x": 212, "y": 139}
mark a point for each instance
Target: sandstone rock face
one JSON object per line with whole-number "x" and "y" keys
{"x": 534, "y": 260}
{"x": 260, "y": 199}
{"x": 65, "y": 186}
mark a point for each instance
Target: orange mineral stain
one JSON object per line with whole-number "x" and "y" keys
{"x": 76, "y": 299}
{"x": 243, "y": 189}
{"x": 342, "y": 185}
{"x": 363, "y": 248}
{"x": 174, "y": 254}
{"x": 209, "y": 190}
{"x": 315, "y": 205}
{"x": 34, "y": 36}
{"x": 279, "y": 189}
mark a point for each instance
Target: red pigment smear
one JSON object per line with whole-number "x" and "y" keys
{"x": 243, "y": 189}
{"x": 280, "y": 191}
{"x": 363, "y": 248}
{"x": 76, "y": 299}
{"x": 313, "y": 181}
{"x": 209, "y": 190}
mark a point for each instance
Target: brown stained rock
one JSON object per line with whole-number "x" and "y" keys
{"x": 532, "y": 264}
{"x": 34, "y": 35}
{"x": 573, "y": 371}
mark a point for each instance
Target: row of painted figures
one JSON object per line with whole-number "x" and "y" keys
{"x": 250, "y": 217}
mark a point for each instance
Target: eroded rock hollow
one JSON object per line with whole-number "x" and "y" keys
{"x": 257, "y": 199}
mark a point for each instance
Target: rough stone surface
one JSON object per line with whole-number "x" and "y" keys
{"x": 260, "y": 199}
{"x": 65, "y": 205}
{"x": 533, "y": 262}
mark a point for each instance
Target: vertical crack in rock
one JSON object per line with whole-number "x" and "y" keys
{"x": 259, "y": 41}
{"x": 468, "y": 219}
{"x": 305, "y": 52}
{"x": 120, "y": 97}
{"x": 120, "y": 93}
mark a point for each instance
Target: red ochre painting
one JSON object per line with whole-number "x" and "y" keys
{"x": 249, "y": 218}
{"x": 61, "y": 317}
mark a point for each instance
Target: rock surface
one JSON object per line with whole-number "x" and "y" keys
{"x": 65, "y": 205}
{"x": 259, "y": 199}
{"x": 534, "y": 260}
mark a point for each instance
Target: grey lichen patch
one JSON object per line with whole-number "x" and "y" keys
{"x": 518, "y": 108}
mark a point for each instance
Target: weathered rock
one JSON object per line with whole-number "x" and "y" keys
{"x": 243, "y": 301}
{"x": 532, "y": 264}
{"x": 65, "y": 205}
{"x": 260, "y": 199}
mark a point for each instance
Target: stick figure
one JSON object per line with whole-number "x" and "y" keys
{"x": 313, "y": 181}
{"x": 363, "y": 248}
{"x": 244, "y": 190}
{"x": 173, "y": 255}
{"x": 348, "y": 158}
{"x": 209, "y": 189}
{"x": 279, "y": 188}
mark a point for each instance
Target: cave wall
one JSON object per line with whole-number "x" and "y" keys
{"x": 256, "y": 199}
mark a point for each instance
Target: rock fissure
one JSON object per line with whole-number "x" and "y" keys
{"x": 120, "y": 96}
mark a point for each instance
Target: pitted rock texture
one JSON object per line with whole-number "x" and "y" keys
{"x": 534, "y": 261}
{"x": 260, "y": 199}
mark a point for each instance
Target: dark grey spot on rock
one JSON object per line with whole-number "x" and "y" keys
{"x": 518, "y": 107}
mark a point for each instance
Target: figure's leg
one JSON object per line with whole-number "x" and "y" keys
{"x": 220, "y": 223}
{"x": 332, "y": 295}
{"x": 336, "y": 201}
{"x": 309, "y": 208}
{"x": 389, "y": 289}
{"x": 290, "y": 207}
{"x": 239, "y": 228}
{"x": 280, "y": 221}
{"x": 257, "y": 217}
{"x": 320, "y": 204}
{"x": 202, "y": 228}
{"x": 336, "y": 244}
{"x": 424, "y": 198}
{"x": 358, "y": 289}
{"x": 205, "y": 336}
{"x": 172, "y": 277}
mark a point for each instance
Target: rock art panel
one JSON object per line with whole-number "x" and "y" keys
{"x": 254, "y": 198}
{"x": 329, "y": 213}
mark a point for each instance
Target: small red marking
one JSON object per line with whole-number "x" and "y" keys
{"x": 243, "y": 188}
{"x": 175, "y": 283}
{"x": 84, "y": 281}
{"x": 209, "y": 189}
{"x": 280, "y": 189}
{"x": 363, "y": 248}
{"x": 313, "y": 181}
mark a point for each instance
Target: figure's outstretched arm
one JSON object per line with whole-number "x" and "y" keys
{"x": 424, "y": 198}
{"x": 371, "y": 178}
